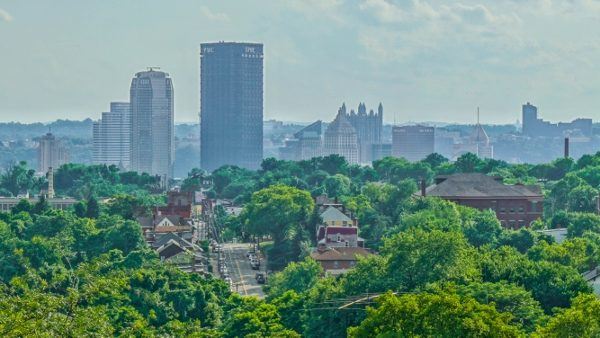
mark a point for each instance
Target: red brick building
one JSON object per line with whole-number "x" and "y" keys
{"x": 515, "y": 205}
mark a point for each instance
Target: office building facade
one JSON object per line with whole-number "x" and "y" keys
{"x": 231, "y": 105}
{"x": 537, "y": 127}
{"x": 112, "y": 136}
{"x": 306, "y": 144}
{"x": 413, "y": 143}
{"x": 51, "y": 153}
{"x": 152, "y": 124}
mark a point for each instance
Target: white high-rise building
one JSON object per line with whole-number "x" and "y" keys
{"x": 112, "y": 136}
{"x": 51, "y": 153}
{"x": 152, "y": 124}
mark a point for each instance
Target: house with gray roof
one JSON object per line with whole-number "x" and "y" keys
{"x": 515, "y": 205}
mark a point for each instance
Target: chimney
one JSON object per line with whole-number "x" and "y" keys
{"x": 566, "y": 147}
{"x": 50, "y": 183}
{"x": 321, "y": 248}
{"x": 423, "y": 188}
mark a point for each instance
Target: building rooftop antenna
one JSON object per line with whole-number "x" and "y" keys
{"x": 477, "y": 115}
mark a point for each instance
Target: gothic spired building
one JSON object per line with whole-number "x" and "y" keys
{"x": 351, "y": 135}
{"x": 231, "y": 105}
{"x": 341, "y": 138}
{"x": 368, "y": 129}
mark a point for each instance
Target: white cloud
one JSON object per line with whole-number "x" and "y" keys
{"x": 473, "y": 14}
{"x": 213, "y": 16}
{"x": 384, "y": 11}
{"x": 312, "y": 9}
{"x": 5, "y": 16}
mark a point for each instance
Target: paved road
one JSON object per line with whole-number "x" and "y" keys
{"x": 241, "y": 273}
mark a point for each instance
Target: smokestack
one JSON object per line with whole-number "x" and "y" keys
{"x": 423, "y": 188}
{"x": 566, "y": 147}
{"x": 50, "y": 183}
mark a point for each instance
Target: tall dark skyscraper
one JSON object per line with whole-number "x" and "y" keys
{"x": 530, "y": 118}
{"x": 231, "y": 104}
{"x": 152, "y": 124}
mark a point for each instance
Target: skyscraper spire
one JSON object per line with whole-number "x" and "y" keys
{"x": 380, "y": 109}
{"x": 343, "y": 108}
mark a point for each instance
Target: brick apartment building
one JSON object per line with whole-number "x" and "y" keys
{"x": 515, "y": 205}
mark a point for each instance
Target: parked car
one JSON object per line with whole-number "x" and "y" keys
{"x": 255, "y": 264}
{"x": 260, "y": 278}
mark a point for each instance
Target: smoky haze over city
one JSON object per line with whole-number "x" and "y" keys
{"x": 299, "y": 168}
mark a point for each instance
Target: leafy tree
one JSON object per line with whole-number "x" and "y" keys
{"x": 435, "y": 160}
{"x": 291, "y": 308}
{"x": 37, "y": 313}
{"x": 394, "y": 170}
{"x": 468, "y": 163}
{"x": 282, "y": 212}
{"x": 254, "y": 319}
{"x": 16, "y": 178}
{"x": 582, "y": 319}
{"x": 127, "y": 206}
{"x": 325, "y": 321}
{"x": 521, "y": 239}
{"x": 92, "y": 208}
{"x": 579, "y": 223}
{"x": 583, "y": 198}
{"x": 439, "y": 215}
{"x": 41, "y": 206}
{"x": 579, "y": 253}
{"x": 298, "y": 277}
{"x": 433, "y": 315}
{"x": 417, "y": 257}
{"x": 370, "y": 275}
{"x": 551, "y": 284}
{"x": 337, "y": 185}
{"x": 508, "y": 298}
{"x": 483, "y": 229}
{"x": 333, "y": 164}
{"x": 22, "y": 206}
{"x": 79, "y": 209}
{"x": 558, "y": 197}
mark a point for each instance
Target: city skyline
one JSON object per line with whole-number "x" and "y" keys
{"x": 383, "y": 52}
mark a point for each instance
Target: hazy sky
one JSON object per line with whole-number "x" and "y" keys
{"x": 426, "y": 60}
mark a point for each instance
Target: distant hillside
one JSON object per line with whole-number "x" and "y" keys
{"x": 61, "y": 128}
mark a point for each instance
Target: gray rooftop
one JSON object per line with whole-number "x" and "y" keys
{"x": 479, "y": 185}
{"x": 334, "y": 214}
